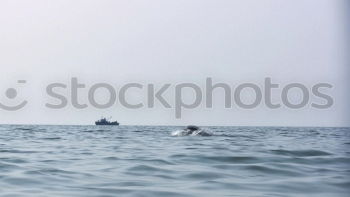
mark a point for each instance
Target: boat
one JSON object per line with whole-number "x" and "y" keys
{"x": 105, "y": 121}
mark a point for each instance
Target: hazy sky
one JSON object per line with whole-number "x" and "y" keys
{"x": 163, "y": 41}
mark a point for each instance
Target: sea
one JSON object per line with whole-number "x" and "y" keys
{"x": 142, "y": 161}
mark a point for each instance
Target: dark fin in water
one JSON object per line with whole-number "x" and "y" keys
{"x": 192, "y": 128}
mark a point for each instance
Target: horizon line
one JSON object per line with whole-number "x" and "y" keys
{"x": 160, "y": 125}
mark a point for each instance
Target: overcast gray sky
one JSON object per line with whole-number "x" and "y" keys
{"x": 163, "y": 41}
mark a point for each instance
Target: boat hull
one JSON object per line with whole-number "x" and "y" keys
{"x": 107, "y": 124}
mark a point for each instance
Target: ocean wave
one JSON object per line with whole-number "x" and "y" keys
{"x": 147, "y": 161}
{"x": 301, "y": 153}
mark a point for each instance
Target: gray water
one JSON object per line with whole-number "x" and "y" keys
{"x": 149, "y": 161}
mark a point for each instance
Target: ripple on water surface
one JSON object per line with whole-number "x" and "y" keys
{"x": 149, "y": 161}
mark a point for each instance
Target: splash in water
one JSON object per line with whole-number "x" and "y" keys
{"x": 191, "y": 131}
